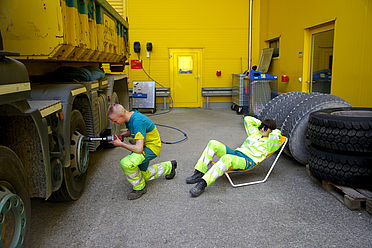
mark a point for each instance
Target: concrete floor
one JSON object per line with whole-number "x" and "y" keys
{"x": 289, "y": 210}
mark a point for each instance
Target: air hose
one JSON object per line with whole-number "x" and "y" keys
{"x": 179, "y": 130}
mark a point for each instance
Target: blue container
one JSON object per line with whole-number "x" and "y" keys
{"x": 259, "y": 89}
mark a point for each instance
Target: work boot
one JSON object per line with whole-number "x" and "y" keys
{"x": 173, "y": 171}
{"x": 194, "y": 178}
{"x": 199, "y": 188}
{"x": 135, "y": 194}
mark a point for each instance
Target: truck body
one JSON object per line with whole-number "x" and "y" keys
{"x": 52, "y": 94}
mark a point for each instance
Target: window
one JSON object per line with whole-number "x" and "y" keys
{"x": 185, "y": 64}
{"x": 274, "y": 43}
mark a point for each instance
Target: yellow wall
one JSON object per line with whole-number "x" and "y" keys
{"x": 352, "y": 63}
{"x": 219, "y": 27}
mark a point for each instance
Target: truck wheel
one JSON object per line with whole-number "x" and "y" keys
{"x": 342, "y": 129}
{"x": 276, "y": 104}
{"x": 15, "y": 205}
{"x": 294, "y": 126}
{"x": 348, "y": 170}
{"x": 75, "y": 175}
{"x": 287, "y": 105}
{"x": 114, "y": 128}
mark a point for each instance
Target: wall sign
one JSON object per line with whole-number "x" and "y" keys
{"x": 136, "y": 64}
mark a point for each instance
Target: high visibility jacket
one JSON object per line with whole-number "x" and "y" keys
{"x": 256, "y": 146}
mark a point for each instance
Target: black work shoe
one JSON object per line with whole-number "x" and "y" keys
{"x": 135, "y": 194}
{"x": 198, "y": 189}
{"x": 173, "y": 171}
{"x": 194, "y": 178}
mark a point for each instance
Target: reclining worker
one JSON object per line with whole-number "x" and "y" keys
{"x": 146, "y": 147}
{"x": 263, "y": 138}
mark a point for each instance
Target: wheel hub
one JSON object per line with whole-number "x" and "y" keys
{"x": 79, "y": 154}
{"x": 12, "y": 218}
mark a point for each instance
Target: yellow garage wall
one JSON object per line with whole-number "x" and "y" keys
{"x": 352, "y": 63}
{"x": 219, "y": 27}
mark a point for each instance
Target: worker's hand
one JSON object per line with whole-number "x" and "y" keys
{"x": 116, "y": 142}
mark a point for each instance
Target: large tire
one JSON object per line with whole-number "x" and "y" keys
{"x": 295, "y": 125}
{"x": 282, "y": 111}
{"x": 342, "y": 129}
{"x": 348, "y": 170}
{"x": 114, "y": 128}
{"x": 15, "y": 199}
{"x": 73, "y": 183}
{"x": 283, "y": 102}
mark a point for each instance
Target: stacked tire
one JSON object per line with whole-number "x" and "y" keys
{"x": 291, "y": 112}
{"x": 341, "y": 146}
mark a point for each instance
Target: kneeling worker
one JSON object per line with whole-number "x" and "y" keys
{"x": 146, "y": 147}
{"x": 263, "y": 138}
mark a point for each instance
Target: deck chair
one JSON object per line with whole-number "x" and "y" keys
{"x": 283, "y": 142}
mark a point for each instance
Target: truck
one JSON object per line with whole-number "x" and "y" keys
{"x": 53, "y": 93}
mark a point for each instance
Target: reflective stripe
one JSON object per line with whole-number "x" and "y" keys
{"x": 78, "y": 91}
{"x": 215, "y": 173}
{"x": 274, "y": 144}
{"x": 136, "y": 182}
{"x": 160, "y": 170}
{"x": 134, "y": 175}
{"x": 14, "y": 88}
{"x": 209, "y": 151}
{"x": 152, "y": 170}
{"x": 205, "y": 159}
{"x": 222, "y": 166}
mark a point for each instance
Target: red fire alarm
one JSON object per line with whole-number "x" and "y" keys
{"x": 285, "y": 78}
{"x": 136, "y": 64}
{"x": 218, "y": 73}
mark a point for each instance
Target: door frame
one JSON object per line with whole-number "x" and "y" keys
{"x": 308, "y": 49}
{"x": 199, "y": 54}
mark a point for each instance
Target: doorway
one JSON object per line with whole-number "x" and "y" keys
{"x": 318, "y": 74}
{"x": 185, "y": 76}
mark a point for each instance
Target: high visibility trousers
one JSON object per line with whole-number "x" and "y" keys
{"x": 138, "y": 178}
{"x": 226, "y": 161}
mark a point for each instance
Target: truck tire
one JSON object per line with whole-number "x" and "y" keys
{"x": 342, "y": 129}
{"x": 288, "y": 105}
{"x": 15, "y": 204}
{"x": 295, "y": 125}
{"x": 74, "y": 176}
{"x": 348, "y": 170}
{"x": 275, "y": 106}
{"x": 114, "y": 128}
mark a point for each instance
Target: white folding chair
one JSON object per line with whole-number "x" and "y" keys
{"x": 283, "y": 142}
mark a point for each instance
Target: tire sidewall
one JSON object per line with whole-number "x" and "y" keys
{"x": 12, "y": 171}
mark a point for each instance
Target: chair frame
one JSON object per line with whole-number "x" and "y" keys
{"x": 283, "y": 142}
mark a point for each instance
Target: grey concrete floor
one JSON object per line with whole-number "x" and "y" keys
{"x": 289, "y": 210}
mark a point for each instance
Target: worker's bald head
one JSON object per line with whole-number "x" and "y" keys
{"x": 118, "y": 114}
{"x": 116, "y": 109}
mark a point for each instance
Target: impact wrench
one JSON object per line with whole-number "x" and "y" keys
{"x": 108, "y": 138}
